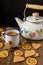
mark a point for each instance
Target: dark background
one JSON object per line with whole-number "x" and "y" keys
{"x": 9, "y": 9}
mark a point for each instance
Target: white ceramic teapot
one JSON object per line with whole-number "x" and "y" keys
{"x": 32, "y": 26}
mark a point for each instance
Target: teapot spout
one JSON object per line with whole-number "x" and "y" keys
{"x": 19, "y": 21}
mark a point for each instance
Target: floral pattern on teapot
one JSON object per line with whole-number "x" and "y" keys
{"x": 32, "y": 34}
{"x": 39, "y": 32}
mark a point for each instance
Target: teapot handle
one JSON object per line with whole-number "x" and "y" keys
{"x": 32, "y": 6}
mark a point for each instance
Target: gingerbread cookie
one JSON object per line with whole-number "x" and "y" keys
{"x": 18, "y": 59}
{"x": 36, "y": 45}
{"x": 29, "y": 53}
{"x": 36, "y": 54}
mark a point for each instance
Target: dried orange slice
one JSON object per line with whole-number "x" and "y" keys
{"x": 1, "y": 44}
{"x": 3, "y": 54}
{"x": 18, "y": 53}
{"x": 26, "y": 46}
{"x": 31, "y": 61}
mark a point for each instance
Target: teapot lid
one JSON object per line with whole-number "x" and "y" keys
{"x": 35, "y": 18}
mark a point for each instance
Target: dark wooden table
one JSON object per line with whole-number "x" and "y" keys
{"x": 9, "y": 59}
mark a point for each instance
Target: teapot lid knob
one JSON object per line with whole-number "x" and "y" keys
{"x": 35, "y": 14}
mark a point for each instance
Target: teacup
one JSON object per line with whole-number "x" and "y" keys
{"x": 11, "y": 35}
